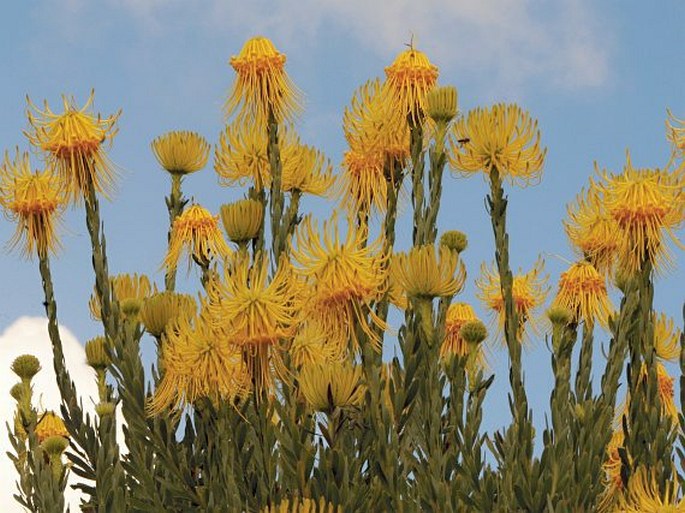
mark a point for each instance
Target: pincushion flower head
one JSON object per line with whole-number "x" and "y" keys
{"x": 311, "y": 346}
{"x": 125, "y": 288}
{"x": 408, "y": 80}
{"x": 529, "y": 293}
{"x": 648, "y": 205}
{"x": 262, "y": 87}
{"x": 344, "y": 276}
{"x": 582, "y": 291}
{"x": 425, "y": 273}
{"x": 74, "y": 144}
{"x": 181, "y": 153}
{"x": 331, "y": 385}
{"x": 501, "y": 137}
{"x": 34, "y": 201}
{"x": 198, "y": 362}
{"x": 666, "y": 338}
{"x": 197, "y": 232}
{"x": 305, "y": 169}
{"x": 256, "y": 313}
{"x": 644, "y": 495}
{"x": 591, "y": 230}
{"x": 50, "y": 424}
{"x": 162, "y": 308}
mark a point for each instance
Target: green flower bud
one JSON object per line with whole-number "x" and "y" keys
{"x": 454, "y": 240}
{"x": 97, "y": 355}
{"x": 26, "y": 366}
{"x": 559, "y": 316}
{"x": 441, "y": 104}
{"x": 55, "y": 445}
{"x": 104, "y": 409}
{"x": 473, "y": 332}
{"x": 160, "y": 309}
{"x": 130, "y": 307}
{"x": 17, "y": 391}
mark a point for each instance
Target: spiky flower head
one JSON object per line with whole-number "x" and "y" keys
{"x": 306, "y": 170}
{"x": 26, "y": 366}
{"x": 582, "y": 290}
{"x": 666, "y": 338}
{"x": 332, "y": 385}
{"x": 454, "y": 240}
{"x": 74, "y": 144}
{"x": 441, "y": 104}
{"x": 344, "y": 277}
{"x": 262, "y": 86}
{"x": 644, "y": 495}
{"x": 665, "y": 386}
{"x": 34, "y": 201}
{"x": 50, "y": 424}
{"x": 255, "y": 313}
{"x": 362, "y": 183}
{"x": 181, "y": 152}
{"x": 675, "y": 133}
{"x": 529, "y": 292}
{"x": 592, "y": 231}
{"x": 312, "y": 347}
{"x": 503, "y": 137}
{"x": 458, "y": 314}
{"x": 647, "y": 204}
{"x": 97, "y": 353}
{"x": 426, "y": 274}
{"x": 126, "y": 288}
{"x": 198, "y": 362}
{"x": 161, "y": 308}
{"x": 303, "y": 505}
{"x": 408, "y": 80}
{"x": 242, "y": 220}
{"x": 196, "y": 231}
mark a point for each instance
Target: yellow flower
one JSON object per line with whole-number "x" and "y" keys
{"x": 241, "y": 156}
{"x": 582, "y": 290}
{"x": 181, "y": 153}
{"x": 611, "y": 467}
{"x": 242, "y": 220}
{"x": 675, "y": 132}
{"x": 409, "y": 79}
{"x": 666, "y": 393}
{"x": 311, "y": 347}
{"x": 162, "y": 308}
{"x": 503, "y": 137}
{"x": 363, "y": 183}
{"x": 344, "y": 276}
{"x": 255, "y": 313}
{"x": 306, "y": 169}
{"x": 644, "y": 495}
{"x": 50, "y": 424}
{"x": 646, "y": 204}
{"x": 198, "y": 362}
{"x": 529, "y": 292}
{"x": 424, "y": 274}
{"x": 298, "y": 505}
{"x": 196, "y": 231}
{"x": 262, "y": 85}
{"x": 666, "y": 338}
{"x": 332, "y": 385}
{"x": 33, "y": 200}
{"x": 458, "y": 314}
{"x": 592, "y": 231}
{"x": 124, "y": 287}
{"x": 74, "y": 144}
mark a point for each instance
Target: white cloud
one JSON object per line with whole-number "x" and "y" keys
{"x": 512, "y": 42}
{"x": 28, "y": 335}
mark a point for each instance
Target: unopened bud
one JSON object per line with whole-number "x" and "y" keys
{"x": 441, "y": 104}
{"x": 104, "y": 409}
{"x": 26, "y": 366}
{"x": 473, "y": 332}
{"x": 130, "y": 307}
{"x": 242, "y": 220}
{"x": 559, "y": 316}
{"x": 97, "y": 355}
{"x": 17, "y": 392}
{"x": 454, "y": 240}
{"x": 55, "y": 445}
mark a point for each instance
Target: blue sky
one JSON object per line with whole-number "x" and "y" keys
{"x": 597, "y": 76}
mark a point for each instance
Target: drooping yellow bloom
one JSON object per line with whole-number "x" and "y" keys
{"x": 666, "y": 393}
{"x": 362, "y": 182}
{"x": 125, "y": 287}
{"x": 160, "y": 309}
{"x": 255, "y": 314}
{"x": 298, "y": 505}
{"x": 332, "y": 385}
{"x": 34, "y": 201}
{"x": 647, "y": 204}
{"x": 675, "y": 132}
{"x": 241, "y": 156}
{"x": 312, "y": 347}
{"x": 242, "y": 220}
{"x": 409, "y": 79}
{"x": 613, "y": 484}
{"x": 262, "y": 86}
{"x": 74, "y": 144}
{"x": 592, "y": 231}
{"x": 666, "y": 338}
{"x": 503, "y": 137}
{"x": 582, "y": 290}
{"x": 198, "y": 362}
{"x": 196, "y": 231}
{"x": 529, "y": 292}
{"x": 344, "y": 276}
{"x": 50, "y": 424}
{"x": 458, "y": 314}
{"x": 181, "y": 153}
{"x": 423, "y": 273}
{"x": 643, "y": 495}
{"x": 306, "y": 169}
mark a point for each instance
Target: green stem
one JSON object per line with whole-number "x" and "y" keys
{"x": 417, "y": 171}
{"x": 277, "y": 197}
{"x": 175, "y": 204}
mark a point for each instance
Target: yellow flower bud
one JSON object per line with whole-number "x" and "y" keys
{"x": 97, "y": 356}
{"x": 242, "y": 220}
{"x": 441, "y": 104}
{"x": 26, "y": 366}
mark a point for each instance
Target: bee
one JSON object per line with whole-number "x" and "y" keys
{"x": 464, "y": 141}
